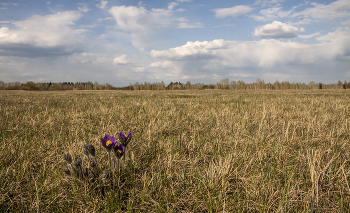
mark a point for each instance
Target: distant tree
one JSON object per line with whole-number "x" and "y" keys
{"x": 223, "y": 84}
{"x": 30, "y": 85}
{"x": 95, "y": 85}
{"x": 320, "y": 86}
{"x": 241, "y": 84}
{"x": 277, "y": 85}
{"x": 188, "y": 85}
{"x": 233, "y": 85}
{"x": 340, "y": 84}
{"x": 311, "y": 85}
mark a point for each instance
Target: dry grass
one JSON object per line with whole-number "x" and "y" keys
{"x": 192, "y": 151}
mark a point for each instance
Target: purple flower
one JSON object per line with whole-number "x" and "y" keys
{"x": 108, "y": 142}
{"x": 125, "y": 139}
{"x": 119, "y": 151}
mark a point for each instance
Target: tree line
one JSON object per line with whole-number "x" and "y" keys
{"x": 224, "y": 84}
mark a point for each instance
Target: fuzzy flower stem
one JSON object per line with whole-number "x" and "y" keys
{"x": 118, "y": 165}
{"x": 98, "y": 168}
{"x": 124, "y": 164}
{"x": 110, "y": 160}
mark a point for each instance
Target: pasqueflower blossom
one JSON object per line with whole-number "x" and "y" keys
{"x": 108, "y": 142}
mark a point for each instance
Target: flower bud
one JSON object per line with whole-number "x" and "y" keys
{"x": 91, "y": 178}
{"x": 78, "y": 161}
{"x": 92, "y": 163}
{"x": 85, "y": 172}
{"x": 85, "y": 150}
{"x": 66, "y": 171}
{"x": 105, "y": 175}
{"x": 91, "y": 150}
{"x": 68, "y": 158}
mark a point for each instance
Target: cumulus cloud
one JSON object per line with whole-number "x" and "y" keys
{"x": 120, "y": 60}
{"x": 232, "y": 11}
{"x": 50, "y": 34}
{"x": 339, "y": 8}
{"x": 277, "y": 30}
{"x": 184, "y": 1}
{"x": 265, "y": 54}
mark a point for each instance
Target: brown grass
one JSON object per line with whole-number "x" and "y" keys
{"x": 192, "y": 151}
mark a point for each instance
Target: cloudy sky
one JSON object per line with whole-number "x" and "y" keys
{"x": 126, "y": 41}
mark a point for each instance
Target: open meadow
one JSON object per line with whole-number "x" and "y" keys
{"x": 191, "y": 151}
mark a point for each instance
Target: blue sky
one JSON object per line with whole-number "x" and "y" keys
{"x": 126, "y": 41}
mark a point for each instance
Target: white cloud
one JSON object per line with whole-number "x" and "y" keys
{"x": 310, "y": 35}
{"x": 185, "y": 25}
{"x": 258, "y": 18}
{"x": 267, "y": 2}
{"x": 277, "y": 30}
{"x": 105, "y": 19}
{"x": 184, "y": 1}
{"x": 275, "y": 11}
{"x": 272, "y": 13}
{"x": 221, "y": 54}
{"x": 14, "y": 4}
{"x": 89, "y": 58}
{"x": 138, "y": 69}
{"x": 138, "y": 18}
{"x": 140, "y": 24}
{"x": 180, "y": 10}
{"x": 339, "y": 8}
{"x": 50, "y": 31}
{"x": 84, "y": 9}
{"x": 102, "y": 4}
{"x": 232, "y": 11}
{"x": 171, "y": 5}
{"x": 347, "y": 22}
{"x": 120, "y": 60}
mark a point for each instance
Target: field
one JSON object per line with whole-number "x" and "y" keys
{"x": 192, "y": 151}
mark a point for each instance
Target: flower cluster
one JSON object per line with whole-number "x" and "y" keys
{"x": 90, "y": 170}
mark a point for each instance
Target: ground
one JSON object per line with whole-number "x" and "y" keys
{"x": 192, "y": 151}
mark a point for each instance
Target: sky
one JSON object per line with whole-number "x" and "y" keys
{"x": 202, "y": 41}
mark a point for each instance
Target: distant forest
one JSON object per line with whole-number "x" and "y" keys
{"x": 224, "y": 84}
